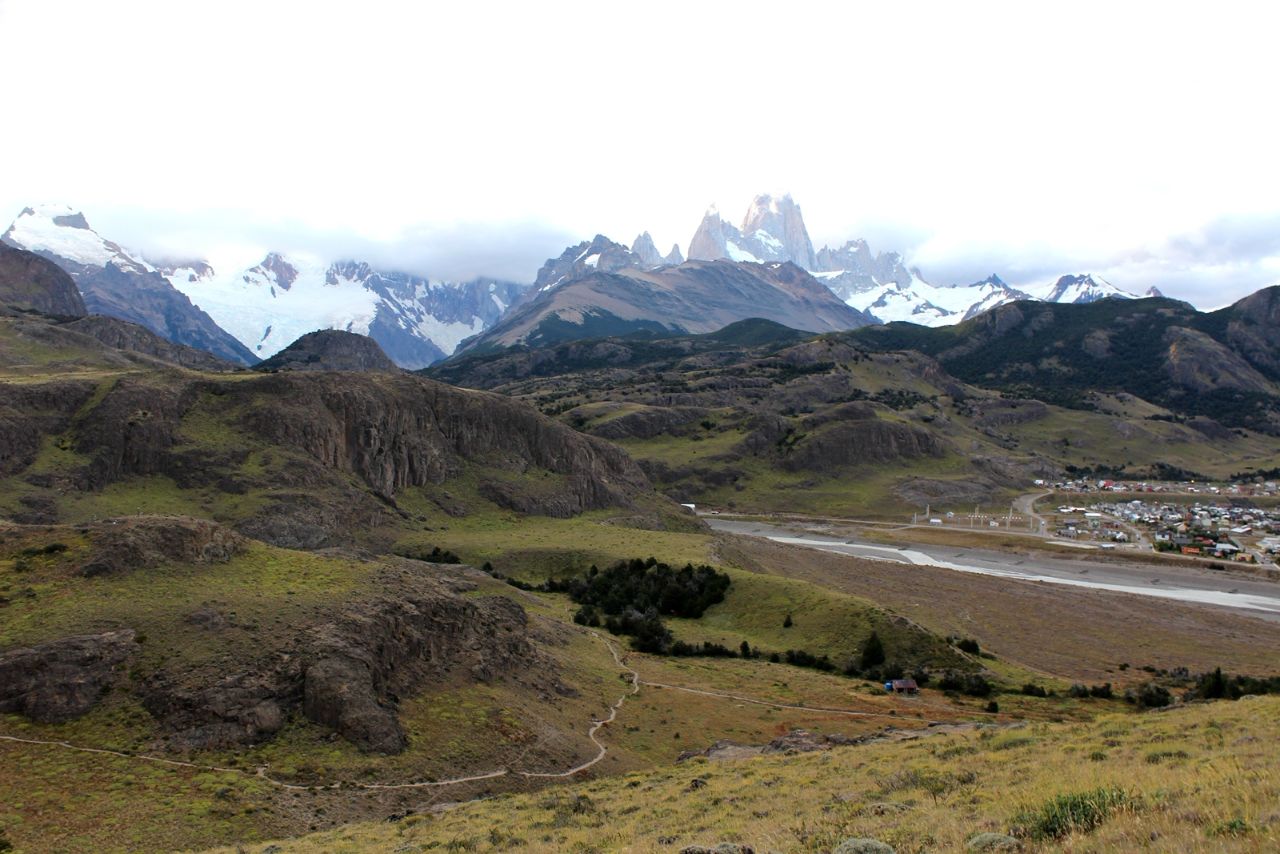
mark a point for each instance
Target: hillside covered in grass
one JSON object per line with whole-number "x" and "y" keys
{"x": 1200, "y": 778}
{"x": 884, "y": 421}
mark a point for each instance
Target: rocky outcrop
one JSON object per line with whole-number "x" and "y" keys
{"x": 344, "y": 446}
{"x": 30, "y": 282}
{"x": 348, "y": 671}
{"x": 863, "y": 441}
{"x": 1196, "y": 361}
{"x": 649, "y": 422}
{"x": 140, "y": 542}
{"x": 63, "y": 679}
{"x": 399, "y": 432}
{"x": 331, "y": 350}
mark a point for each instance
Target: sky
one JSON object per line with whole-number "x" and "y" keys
{"x": 1137, "y": 140}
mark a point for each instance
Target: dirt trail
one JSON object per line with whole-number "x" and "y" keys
{"x": 262, "y": 772}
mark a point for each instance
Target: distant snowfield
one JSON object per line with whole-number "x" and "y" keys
{"x": 267, "y": 315}
{"x": 39, "y": 231}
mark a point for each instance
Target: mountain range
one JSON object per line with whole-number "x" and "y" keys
{"x": 879, "y": 284}
{"x": 765, "y": 267}
{"x": 247, "y": 315}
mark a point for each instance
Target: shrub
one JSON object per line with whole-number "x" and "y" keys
{"x": 993, "y": 707}
{"x": 1033, "y": 690}
{"x": 436, "y": 555}
{"x": 786, "y": 622}
{"x": 872, "y": 652}
{"x": 1079, "y": 812}
{"x": 587, "y": 616}
{"x": 965, "y": 683}
{"x": 1149, "y": 695}
{"x": 1101, "y": 691}
{"x": 1234, "y": 827}
{"x": 968, "y": 645}
{"x": 647, "y": 632}
{"x": 800, "y": 658}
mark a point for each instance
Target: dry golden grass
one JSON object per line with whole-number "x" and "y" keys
{"x": 1197, "y": 778}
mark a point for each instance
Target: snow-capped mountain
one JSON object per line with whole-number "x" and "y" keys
{"x": 247, "y": 315}
{"x": 117, "y": 283}
{"x": 879, "y": 284}
{"x": 1080, "y": 288}
{"x": 772, "y": 230}
{"x": 416, "y": 320}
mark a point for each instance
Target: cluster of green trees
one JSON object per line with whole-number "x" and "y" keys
{"x": 1223, "y": 686}
{"x": 642, "y": 585}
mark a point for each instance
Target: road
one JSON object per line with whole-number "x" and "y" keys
{"x": 1191, "y": 584}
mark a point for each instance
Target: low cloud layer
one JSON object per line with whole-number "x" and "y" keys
{"x": 457, "y": 252}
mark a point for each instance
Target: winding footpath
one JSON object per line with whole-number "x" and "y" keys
{"x": 262, "y": 772}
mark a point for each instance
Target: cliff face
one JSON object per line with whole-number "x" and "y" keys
{"x": 338, "y": 448}
{"x": 346, "y": 670}
{"x": 342, "y": 661}
{"x": 400, "y": 432}
{"x": 28, "y": 281}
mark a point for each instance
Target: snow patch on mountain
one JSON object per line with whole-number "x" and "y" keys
{"x": 1079, "y": 289}
{"x": 271, "y": 305}
{"x": 62, "y": 231}
{"x": 416, "y": 320}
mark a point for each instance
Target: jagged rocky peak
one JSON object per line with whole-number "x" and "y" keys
{"x": 645, "y": 249}
{"x": 772, "y": 230}
{"x": 777, "y": 224}
{"x": 599, "y": 254}
{"x": 30, "y": 282}
{"x": 331, "y": 350}
{"x": 647, "y": 252}
{"x": 711, "y": 242}
{"x": 1152, "y": 291}
{"x": 187, "y": 270}
{"x": 278, "y": 270}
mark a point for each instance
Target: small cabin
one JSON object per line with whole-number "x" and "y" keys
{"x": 902, "y": 686}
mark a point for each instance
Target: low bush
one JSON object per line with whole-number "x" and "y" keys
{"x": 971, "y": 684}
{"x": 1149, "y": 695}
{"x": 1078, "y": 812}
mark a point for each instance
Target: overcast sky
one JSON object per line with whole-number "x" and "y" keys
{"x": 1134, "y": 140}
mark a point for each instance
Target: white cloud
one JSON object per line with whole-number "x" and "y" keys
{"x": 1003, "y": 136}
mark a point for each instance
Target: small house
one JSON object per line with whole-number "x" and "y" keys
{"x": 902, "y": 686}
